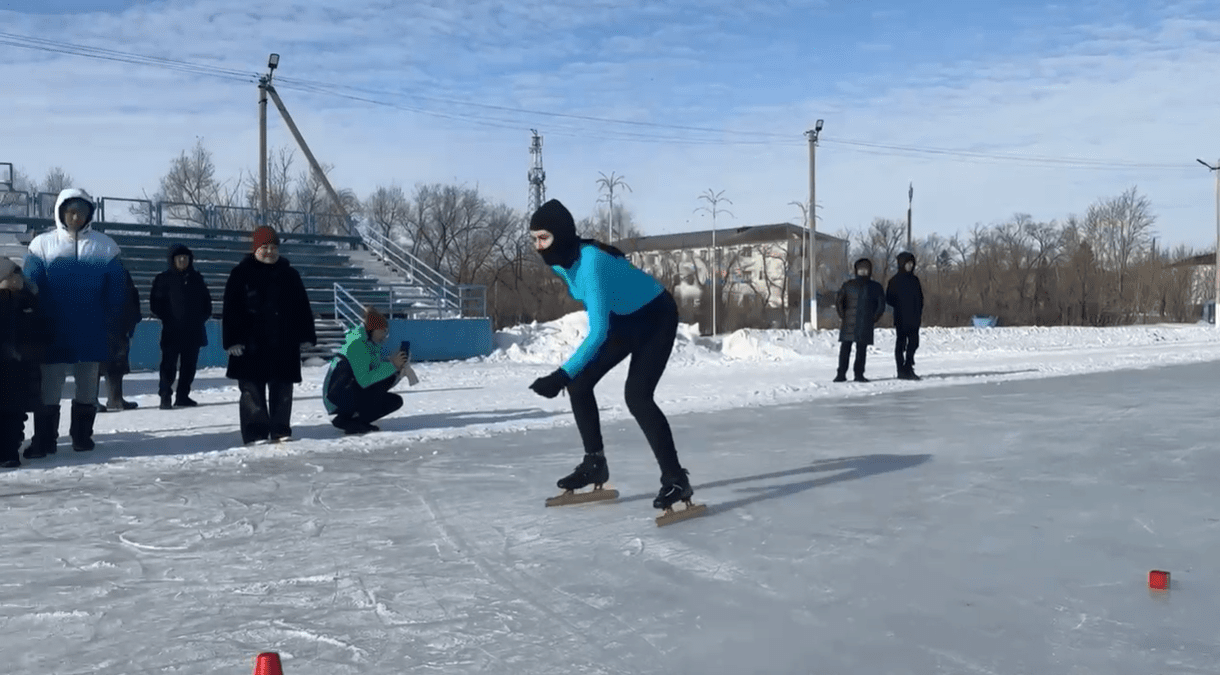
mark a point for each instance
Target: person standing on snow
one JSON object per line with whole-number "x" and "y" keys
{"x": 119, "y": 363}
{"x": 630, "y": 313}
{"x": 860, "y": 304}
{"x": 905, "y": 294}
{"x": 23, "y": 341}
{"x": 357, "y": 386}
{"x": 82, "y": 290}
{"x": 265, "y": 322}
{"x": 181, "y": 300}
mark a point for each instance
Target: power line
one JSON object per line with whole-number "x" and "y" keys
{"x": 722, "y": 137}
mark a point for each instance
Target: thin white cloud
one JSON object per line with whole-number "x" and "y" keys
{"x": 1104, "y": 90}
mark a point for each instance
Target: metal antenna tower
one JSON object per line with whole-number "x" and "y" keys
{"x": 537, "y": 176}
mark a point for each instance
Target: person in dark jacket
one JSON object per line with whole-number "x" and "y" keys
{"x": 119, "y": 363}
{"x": 24, "y": 338}
{"x": 265, "y": 322}
{"x": 180, "y": 299}
{"x": 357, "y": 386}
{"x": 860, "y": 304}
{"x": 905, "y": 294}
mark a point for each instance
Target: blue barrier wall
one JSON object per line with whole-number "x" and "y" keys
{"x": 431, "y": 340}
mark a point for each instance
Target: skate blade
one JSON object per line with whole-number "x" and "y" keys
{"x": 571, "y": 497}
{"x": 675, "y": 515}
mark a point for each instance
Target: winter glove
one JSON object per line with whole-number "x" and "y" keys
{"x": 552, "y": 384}
{"x": 407, "y": 372}
{"x": 236, "y": 350}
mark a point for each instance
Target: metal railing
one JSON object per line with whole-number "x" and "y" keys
{"x": 348, "y": 310}
{"x": 450, "y": 297}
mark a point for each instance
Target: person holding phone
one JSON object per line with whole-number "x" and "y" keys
{"x": 357, "y": 385}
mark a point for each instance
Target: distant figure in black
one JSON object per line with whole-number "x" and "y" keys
{"x": 181, "y": 300}
{"x": 24, "y": 338}
{"x": 265, "y": 322}
{"x": 860, "y": 303}
{"x": 905, "y": 294}
{"x": 119, "y": 341}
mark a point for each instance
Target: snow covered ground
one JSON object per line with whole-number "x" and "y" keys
{"x": 888, "y": 527}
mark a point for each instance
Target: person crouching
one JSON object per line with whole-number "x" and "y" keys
{"x": 357, "y": 386}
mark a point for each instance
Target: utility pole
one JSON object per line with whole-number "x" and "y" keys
{"x": 910, "y": 200}
{"x": 263, "y": 82}
{"x": 537, "y": 176}
{"x": 714, "y": 198}
{"x": 313, "y": 162}
{"x": 813, "y": 224}
{"x": 1216, "y": 296}
{"x": 609, "y": 183}
{"x": 804, "y": 226}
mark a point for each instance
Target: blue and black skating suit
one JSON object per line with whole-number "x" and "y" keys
{"x": 630, "y": 313}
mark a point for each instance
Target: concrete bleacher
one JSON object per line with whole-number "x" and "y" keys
{"x": 415, "y": 311}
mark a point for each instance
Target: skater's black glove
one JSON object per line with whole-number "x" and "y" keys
{"x": 552, "y": 384}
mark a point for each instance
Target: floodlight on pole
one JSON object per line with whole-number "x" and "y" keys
{"x": 273, "y": 61}
{"x": 1216, "y": 296}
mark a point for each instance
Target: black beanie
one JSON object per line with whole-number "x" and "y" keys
{"x": 555, "y": 218}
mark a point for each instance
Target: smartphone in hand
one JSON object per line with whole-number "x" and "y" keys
{"x": 405, "y": 348}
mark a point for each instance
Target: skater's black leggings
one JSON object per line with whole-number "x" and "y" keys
{"x": 647, "y": 335}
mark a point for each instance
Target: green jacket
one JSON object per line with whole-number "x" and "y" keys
{"x": 364, "y": 363}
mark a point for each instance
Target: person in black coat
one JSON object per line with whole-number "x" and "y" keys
{"x": 24, "y": 338}
{"x": 119, "y": 340}
{"x": 860, "y": 304}
{"x": 905, "y": 294}
{"x": 266, "y": 320}
{"x": 181, "y": 300}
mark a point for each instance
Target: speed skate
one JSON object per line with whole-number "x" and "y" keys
{"x": 672, "y": 515}
{"x": 597, "y": 494}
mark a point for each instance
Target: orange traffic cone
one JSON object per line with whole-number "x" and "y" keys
{"x": 268, "y": 663}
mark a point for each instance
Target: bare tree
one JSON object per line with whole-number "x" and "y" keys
{"x": 190, "y": 186}
{"x": 57, "y": 180}
{"x": 387, "y": 209}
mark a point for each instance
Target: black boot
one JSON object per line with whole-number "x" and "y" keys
{"x": 81, "y": 429}
{"x": 46, "y": 432}
{"x": 592, "y": 470}
{"x": 674, "y": 489}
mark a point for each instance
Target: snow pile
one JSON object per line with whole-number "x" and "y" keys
{"x": 553, "y": 342}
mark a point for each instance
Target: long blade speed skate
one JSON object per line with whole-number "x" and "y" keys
{"x": 597, "y": 494}
{"x": 671, "y": 516}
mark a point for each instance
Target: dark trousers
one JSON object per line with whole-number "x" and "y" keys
{"x": 12, "y": 433}
{"x": 264, "y": 410}
{"x": 904, "y": 348}
{"x": 845, "y": 357}
{"x": 371, "y": 403}
{"x": 646, "y": 335}
{"x": 177, "y": 362}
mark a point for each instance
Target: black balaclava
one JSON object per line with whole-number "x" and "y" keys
{"x": 555, "y": 218}
{"x": 904, "y": 258}
{"x": 866, "y": 264}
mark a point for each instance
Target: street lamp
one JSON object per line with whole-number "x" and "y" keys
{"x": 1216, "y": 295}
{"x": 273, "y": 61}
{"x": 813, "y": 224}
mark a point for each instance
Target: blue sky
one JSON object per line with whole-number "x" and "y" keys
{"x": 678, "y": 97}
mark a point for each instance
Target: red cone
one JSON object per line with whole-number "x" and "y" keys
{"x": 1158, "y": 580}
{"x": 268, "y": 663}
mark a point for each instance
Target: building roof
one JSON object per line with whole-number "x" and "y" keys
{"x": 728, "y": 236}
{"x": 1196, "y": 260}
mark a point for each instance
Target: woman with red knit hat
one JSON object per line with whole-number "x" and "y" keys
{"x": 357, "y": 385}
{"x": 266, "y": 320}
